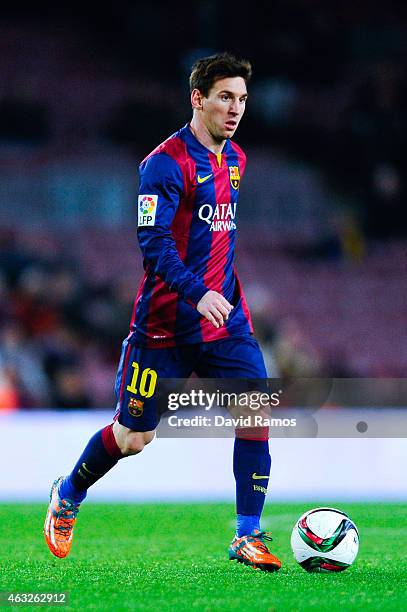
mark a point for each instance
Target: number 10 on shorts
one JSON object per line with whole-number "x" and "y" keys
{"x": 148, "y": 380}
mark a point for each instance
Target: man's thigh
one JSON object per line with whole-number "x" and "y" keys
{"x": 235, "y": 357}
{"x": 139, "y": 371}
{"x": 240, "y": 359}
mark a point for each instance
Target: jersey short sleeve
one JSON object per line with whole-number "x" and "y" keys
{"x": 161, "y": 186}
{"x": 161, "y": 189}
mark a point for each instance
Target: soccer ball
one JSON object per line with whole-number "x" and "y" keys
{"x": 325, "y": 540}
{"x": 146, "y": 205}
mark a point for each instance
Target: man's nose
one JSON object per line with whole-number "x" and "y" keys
{"x": 234, "y": 107}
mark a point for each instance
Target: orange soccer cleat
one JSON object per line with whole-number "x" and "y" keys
{"x": 60, "y": 521}
{"x": 251, "y": 550}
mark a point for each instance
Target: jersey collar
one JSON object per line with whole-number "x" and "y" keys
{"x": 191, "y": 138}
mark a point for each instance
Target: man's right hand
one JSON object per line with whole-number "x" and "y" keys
{"x": 214, "y": 307}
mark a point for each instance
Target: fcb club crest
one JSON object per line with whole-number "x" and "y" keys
{"x": 234, "y": 176}
{"x": 136, "y": 407}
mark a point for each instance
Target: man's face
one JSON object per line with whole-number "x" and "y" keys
{"x": 224, "y": 106}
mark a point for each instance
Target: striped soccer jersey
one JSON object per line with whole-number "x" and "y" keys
{"x": 186, "y": 231}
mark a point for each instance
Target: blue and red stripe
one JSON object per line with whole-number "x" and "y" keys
{"x": 161, "y": 316}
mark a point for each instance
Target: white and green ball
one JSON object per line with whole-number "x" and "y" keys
{"x": 325, "y": 540}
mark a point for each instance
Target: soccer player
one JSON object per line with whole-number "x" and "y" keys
{"x": 190, "y": 313}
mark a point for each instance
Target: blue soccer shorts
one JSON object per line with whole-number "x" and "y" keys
{"x": 140, "y": 368}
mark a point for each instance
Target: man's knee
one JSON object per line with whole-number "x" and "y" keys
{"x": 131, "y": 442}
{"x": 135, "y": 442}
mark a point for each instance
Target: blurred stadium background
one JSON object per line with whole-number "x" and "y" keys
{"x": 85, "y": 94}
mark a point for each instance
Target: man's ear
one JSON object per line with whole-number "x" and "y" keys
{"x": 196, "y": 99}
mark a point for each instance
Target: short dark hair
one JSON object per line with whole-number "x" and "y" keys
{"x": 207, "y": 70}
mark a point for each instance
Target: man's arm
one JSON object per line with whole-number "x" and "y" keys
{"x": 161, "y": 187}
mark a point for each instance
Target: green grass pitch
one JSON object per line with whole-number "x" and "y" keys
{"x": 174, "y": 557}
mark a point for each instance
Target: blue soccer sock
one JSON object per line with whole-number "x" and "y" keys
{"x": 99, "y": 456}
{"x": 245, "y": 523}
{"x": 251, "y": 467}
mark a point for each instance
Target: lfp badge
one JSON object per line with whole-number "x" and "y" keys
{"x": 147, "y": 207}
{"x": 234, "y": 176}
